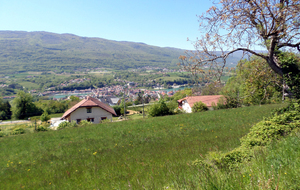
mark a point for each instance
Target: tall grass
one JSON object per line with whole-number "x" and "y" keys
{"x": 274, "y": 167}
{"x": 152, "y": 153}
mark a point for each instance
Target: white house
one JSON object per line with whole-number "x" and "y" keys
{"x": 90, "y": 109}
{"x": 188, "y": 102}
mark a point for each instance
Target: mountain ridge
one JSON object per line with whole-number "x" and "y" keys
{"x": 44, "y": 51}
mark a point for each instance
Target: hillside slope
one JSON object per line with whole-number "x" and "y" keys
{"x": 44, "y": 51}
{"x": 141, "y": 154}
{"x": 39, "y": 51}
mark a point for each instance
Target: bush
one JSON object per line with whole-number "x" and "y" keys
{"x": 2, "y": 134}
{"x": 85, "y": 122}
{"x": 159, "y": 109}
{"x": 117, "y": 109}
{"x": 17, "y": 131}
{"x": 105, "y": 121}
{"x": 45, "y": 117}
{"x": 67, "y": 124}
{"x": 199, "y": 107}
{"x": 261, "y": 135}
{"x": 43, "y": 127}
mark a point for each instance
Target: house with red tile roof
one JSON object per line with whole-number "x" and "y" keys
{"x": 90, "y": 109}
{"x": 188, "y": 102}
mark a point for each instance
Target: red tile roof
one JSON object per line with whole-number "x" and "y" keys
{"x": 89, "y": 102}
{"x": 208, "y": 100}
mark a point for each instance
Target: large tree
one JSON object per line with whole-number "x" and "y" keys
{"x": 5, "y": 112}
{"x": 244, "y": 25}
{"x": 23, "y": 107}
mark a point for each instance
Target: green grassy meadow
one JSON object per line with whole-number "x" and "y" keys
{"x": 152, "y": 153}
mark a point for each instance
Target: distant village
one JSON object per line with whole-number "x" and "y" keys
{"x": 132, "y": 90}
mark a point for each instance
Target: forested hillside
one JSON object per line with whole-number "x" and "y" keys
{"x": 44, "y": 51}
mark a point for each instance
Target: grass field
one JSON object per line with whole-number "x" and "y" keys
{"x": 29, "y": 85}
{"x": 148, "y": 153}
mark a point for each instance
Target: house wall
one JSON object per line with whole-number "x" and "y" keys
{"x": 186, "y": 107}
{"x": 97, "y": 113}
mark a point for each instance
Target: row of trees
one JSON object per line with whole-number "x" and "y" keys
{"x": 24, "y": 106}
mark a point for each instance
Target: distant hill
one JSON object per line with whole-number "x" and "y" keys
{"x": 44, "y": 51}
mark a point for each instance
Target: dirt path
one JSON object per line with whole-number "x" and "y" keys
{"x": 14, "y": 122}
{"x": 131, "y": 112}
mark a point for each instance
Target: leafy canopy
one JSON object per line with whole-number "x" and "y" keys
{"x": 243, "y": 25}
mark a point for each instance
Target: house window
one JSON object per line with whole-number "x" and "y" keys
{"x": 78, "y": 121}
{"x": 88, "y": 110}
{"x": 102, "y": 118}
{"x": 90, "y": 119}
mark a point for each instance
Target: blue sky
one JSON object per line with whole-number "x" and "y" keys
{"x": 164, "y": 23}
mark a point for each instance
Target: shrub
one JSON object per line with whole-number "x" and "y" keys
{"x": 45, "y": 117}
{"x": 63, "y": 125}
{"x": 117, "y": 109}
{"x": 178, "y": 111}
{"x": 159, "y": 109}
{"x": 105, "y": 121}
{"x": 260, "y": 135}
{"x": 67, "y": 124}
{"x": 73, "y": 124}
{"x": 43, "y": 127}
{"x": 18, "y": 130}
{"x": 85, "y": 122}
{"x": 2, "y": 134}
{"x": 199, "y": 107}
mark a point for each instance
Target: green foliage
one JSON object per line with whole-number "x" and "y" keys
{"x": 5, "y": 112}
{"x": 52, "y": 106}
{"x": 199, "y": 107}
{"x": 85, "y": 123}
{"x": 43, "y": 127}
{"x": 172, "y": 105}
{"x": 74, "y": 98}
{"x": 291, "y": 65}
{"x": 182, "y": 94}
{"x": 255, "y": 83}
{"x": 159, "y": 109}
{"x": 17, "y": 131}
{"x": 45, "y": 117}
{"x": 105, "y": 121}
{"x": 211, "y": 89}
{"x": 261, "y": 135}
{"x": 23, "y": 107}
{"x": 160, "y": 147}
{"x": 225, "y": 103}
{"x": 77, "y": 53}
{"x": 67, "y": 124}
{"x": 117, "y": 109}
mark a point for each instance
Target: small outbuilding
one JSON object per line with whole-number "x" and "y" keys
{"x": 187, "y": 103}
{"x": 90, "y": 109}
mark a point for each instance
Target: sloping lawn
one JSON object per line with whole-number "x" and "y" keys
{"x": 137, "y": 154}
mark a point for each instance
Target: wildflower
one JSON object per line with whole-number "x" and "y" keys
{"x": 94, "y": 153}
{"x": 50, "y": 183}
{"x": 28, "y": 170}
